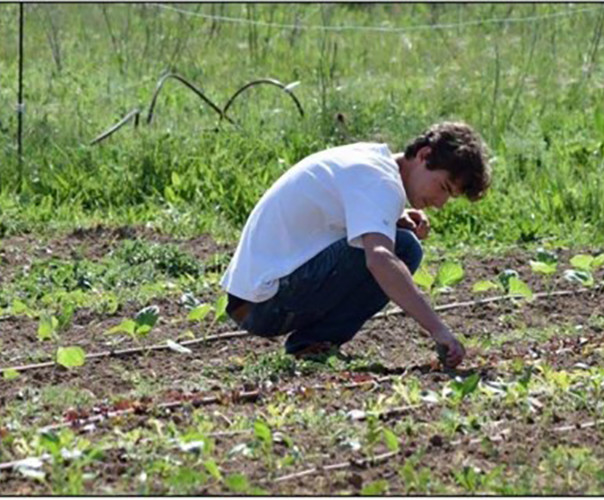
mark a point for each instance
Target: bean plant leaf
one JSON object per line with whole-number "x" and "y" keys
{"x": 376, "y": 488}
{"x": 127, "y": 326}
{"x": 519, "y": 287}
{"x": 47, "y": 327}
{"x": 423, "y": 278}
{"x": 483, "y": 286}
{"x": 598, "y": 261}
{"x": 176, "y": 347}
{"x": 200, "y": 312}
{"x": 505, "y": 276}
{"x": 391, "y": 440}
{"x": 546, "y": 256}
{"x": 10, "y": 374}
{"x": 542, "y": 267}
{"x": 237, "y": 483}
{"x": 582, "y": 261}
{"x": 220, "y": 308}
{"x": 449, "y": 274}
{"x": 466, "y": 386}
{"x": 262, "y": 431}
{"x": 71, "y": 357}
{"x": 147, "y": 317}
{"x": 584, "y": 278}
{"x": 213, "y": 469}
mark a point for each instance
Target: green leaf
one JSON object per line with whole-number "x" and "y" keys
{"x": 449, "y": 274}
{"x": 375, "y": 488}
{"x": 147, "y": 317}
{"x": 584, "y": 278}
{"x": 598, "y": 261}
{"x": 9, "y": 374}
{"x": 47, "y": 327}
{"x": 237, "y": 483}
{"x": 18, "y": 308}
{"x": 213, "y": 469}
{"x": 519, "y": 287}
{"x": 200, "y": 312}
{"x": 424, "y": 279}
{"x": 505, "y": 276}
{"x": 176, "y": 181}
{"x": 65, "y": 317}
{"x": 262, "y": 431}
{"x": 542, "y": 267}
{"x": 220, "y": 308}
{"x": 391, "y": 440}
{"x": 127, "y": 326}
{"x": 546, "y": 256}
{"x": 70, "y": 357}
{"x": 483, "y": 286}
{"x": 582, "y": 261}
{"x": 470, "y": 384}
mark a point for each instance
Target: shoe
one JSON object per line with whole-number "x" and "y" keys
{"x": 314, "y": 350}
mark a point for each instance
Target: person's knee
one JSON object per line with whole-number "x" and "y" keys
{"x": 409, "y": 249}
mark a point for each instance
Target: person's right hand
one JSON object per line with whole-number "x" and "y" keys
{"x": 454, "y": 351}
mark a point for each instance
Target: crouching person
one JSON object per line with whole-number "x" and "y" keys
{"x": 330, "y": 243}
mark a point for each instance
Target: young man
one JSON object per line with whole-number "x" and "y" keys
{"x": 330, "y": 242}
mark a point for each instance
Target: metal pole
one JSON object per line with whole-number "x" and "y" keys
{"x": 20, "y": 106}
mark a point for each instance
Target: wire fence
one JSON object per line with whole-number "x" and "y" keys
{"x": 382, "y": 29}
{"x": 122, "y": 91}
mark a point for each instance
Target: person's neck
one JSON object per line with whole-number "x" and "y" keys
{"x": 403, "y": 166}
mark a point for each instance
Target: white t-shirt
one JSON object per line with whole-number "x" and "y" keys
{"x": 345, "y": 191}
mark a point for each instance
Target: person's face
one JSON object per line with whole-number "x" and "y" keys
{"x": 429, "y": 188}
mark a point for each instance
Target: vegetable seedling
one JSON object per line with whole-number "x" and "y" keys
{"x": 448, "y": 275}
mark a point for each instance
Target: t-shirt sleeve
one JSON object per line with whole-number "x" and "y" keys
{"x": 371, "y": 207}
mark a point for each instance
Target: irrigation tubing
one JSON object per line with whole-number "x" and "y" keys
{"x": 234, "y": 396}
{"x": 264, "y": 81}
{"x": 189, "y": 85}
{"x": 134, "y": 114}
{"x": 243, "y": 333}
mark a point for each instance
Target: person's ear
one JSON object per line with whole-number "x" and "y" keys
{"x": 424, "y": 153}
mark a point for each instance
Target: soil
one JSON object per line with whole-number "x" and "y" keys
{"x": 395, "y": 344}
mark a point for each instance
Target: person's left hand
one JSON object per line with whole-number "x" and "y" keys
{"x": 416, "y": 221}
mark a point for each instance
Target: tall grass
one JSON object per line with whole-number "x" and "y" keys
{"x": 531, "y": 88}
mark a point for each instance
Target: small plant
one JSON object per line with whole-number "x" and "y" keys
{"x": 508, "y": 282}
{"x": 141, "y": 325}
{"x": 584, "y": 268}
{"x": 546, "y": 264}
{"x": 448, "y": 275}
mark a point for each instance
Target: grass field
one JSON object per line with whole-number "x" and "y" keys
{"x": 98, "y": 397}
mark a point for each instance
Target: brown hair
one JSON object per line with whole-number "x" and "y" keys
{"x": 458, "y": 149}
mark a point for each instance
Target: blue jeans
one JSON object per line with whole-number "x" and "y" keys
{"x": 328, "y": 298}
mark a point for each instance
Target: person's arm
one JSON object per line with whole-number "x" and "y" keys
{"x": 397, "y": 283}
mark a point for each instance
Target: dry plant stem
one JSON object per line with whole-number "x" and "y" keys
{"x": 243, "y": 333}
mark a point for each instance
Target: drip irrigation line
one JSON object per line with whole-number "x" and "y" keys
{"x": 264, "y": 81}
{"x": 379, "y": 29}
{"x": 134, "y": 114}
{"x": 379, "y": 459}
{"x": 235, "y": 396}
{"x": 189, "y": 85}
{"x": 243, "y": 333}
{"x": 249, "y": 396}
